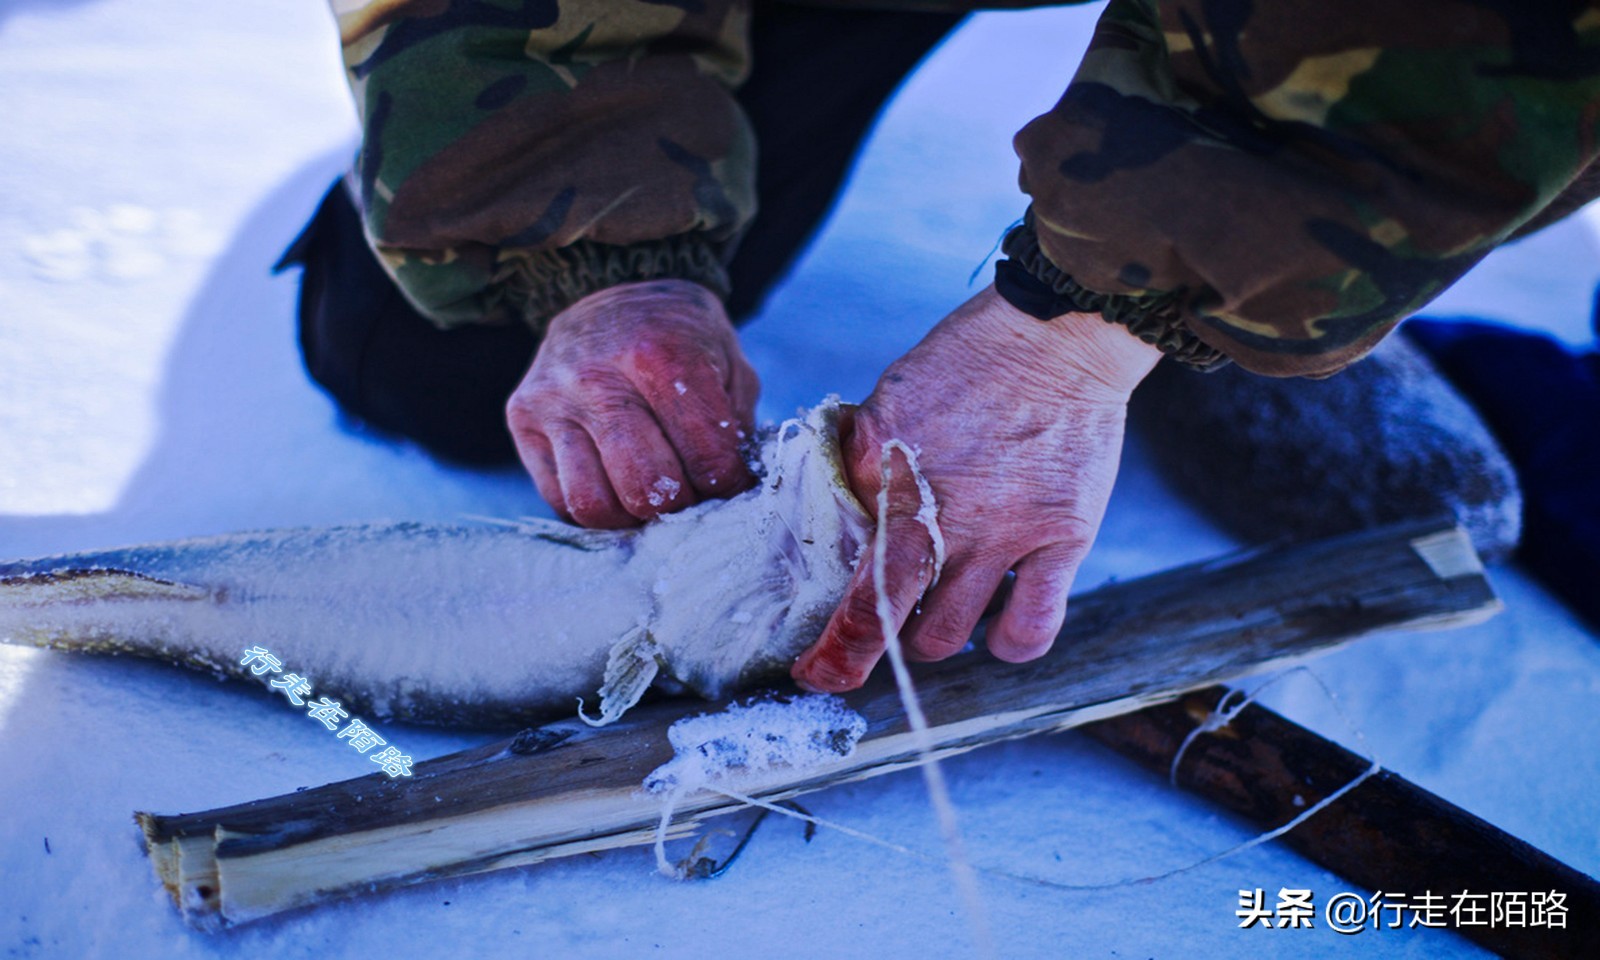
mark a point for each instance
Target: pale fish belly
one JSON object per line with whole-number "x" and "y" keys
{"x": 482, "y": 623}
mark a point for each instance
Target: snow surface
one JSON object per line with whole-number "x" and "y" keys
{"x": 159, "y": 155}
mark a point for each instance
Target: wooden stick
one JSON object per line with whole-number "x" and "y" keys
{"x": 565, "y": 788}
{"x": 1387, "y": 834}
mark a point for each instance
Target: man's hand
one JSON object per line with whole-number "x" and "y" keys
{"x": 1018, "y": 428}
{"x": 635, "y": 405}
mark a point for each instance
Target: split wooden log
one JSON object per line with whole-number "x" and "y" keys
{"x": 1387, "y": 835}
{"x": 565, "y": 788}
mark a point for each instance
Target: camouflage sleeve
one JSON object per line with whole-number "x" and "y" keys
{"x": 519, "y": 154}
{"x": 1280, "y": 183}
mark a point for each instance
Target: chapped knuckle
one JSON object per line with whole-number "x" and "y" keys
{"x": 658, "y": 357}
{"x": 1036, "y": 616}
{"x": 988, "y": 554}
{"x": 588, "y": 386}
{"x": 1072, "y": 535}
{"x": 1063, "y": 566}
{"x": 599, "y": 386}
{"x": 524, "y": 413}
{"x": 612, "y": 436}
{"x": 617, "y": 421}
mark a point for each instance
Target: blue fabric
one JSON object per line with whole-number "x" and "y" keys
{"x": 1542, "y": 400}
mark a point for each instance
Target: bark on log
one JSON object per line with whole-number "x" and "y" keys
{"x": 1388, "y": 834}
{"x": 565, "y": 788}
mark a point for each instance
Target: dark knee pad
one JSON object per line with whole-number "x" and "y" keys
{"x": 1543, "y": 402}
{"x": 385, "y": 363}
{"x": 1383, "y": 442}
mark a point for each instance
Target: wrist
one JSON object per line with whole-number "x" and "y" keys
{"x": 1071, "y": 350}
{"x": 665, "y": 291}
{"x": 1030, "y": 281}
{"x": 655, "y": 300}
{"x": 545, "y": 283}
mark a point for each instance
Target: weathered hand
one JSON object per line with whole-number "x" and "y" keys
{"x": 635, "y": 405}
{"x": 1017, "y": 426}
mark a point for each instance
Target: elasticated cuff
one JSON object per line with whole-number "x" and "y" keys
{"x": 1036, "y": 286}
{"x": 545, "y": 282}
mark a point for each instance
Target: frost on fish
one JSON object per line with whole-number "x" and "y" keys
{"x": 747, "y": 739}
{"x": 498, "y": 622}
{"x": 731, "y": 750}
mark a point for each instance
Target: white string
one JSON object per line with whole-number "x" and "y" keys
{"x": 1058, "y": 884}
{"x": 927, "y": 510}
{"x": 779, "y": 440}
{"x": 1220, "y": 716}
{"x": 1222, "y": 709}
{"x": 664, "y": 866}
{"x": 932, "y": 774}
{"x": 1335, "y": 702}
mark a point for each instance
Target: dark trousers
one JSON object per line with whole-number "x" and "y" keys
{"x": 819, "y": 78}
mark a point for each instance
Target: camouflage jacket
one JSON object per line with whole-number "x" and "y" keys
{"x": 1274, "y": 182}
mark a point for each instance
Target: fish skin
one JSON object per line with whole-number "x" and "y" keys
{"x": 482, "y": 623}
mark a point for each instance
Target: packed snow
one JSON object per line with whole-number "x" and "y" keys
{"x": 158, "y": 158}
